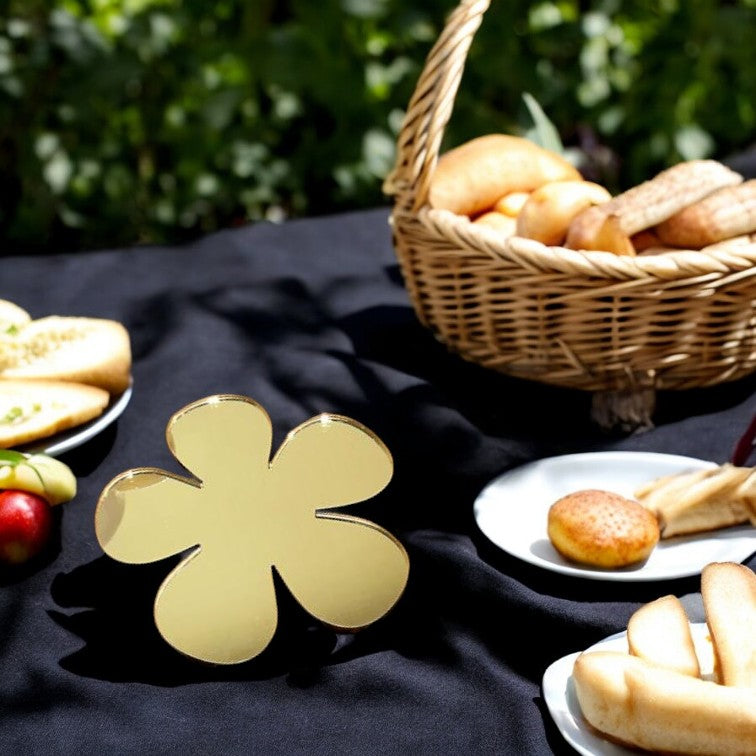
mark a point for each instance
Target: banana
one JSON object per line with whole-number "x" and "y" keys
{"x": 38, "y": 474}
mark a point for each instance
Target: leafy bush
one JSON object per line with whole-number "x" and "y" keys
{"x": 127, "y": 121}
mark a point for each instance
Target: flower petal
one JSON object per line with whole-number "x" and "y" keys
{"x": 211, "y": 609}
{"x": 221, "y": 435}
{"x": 330, "y": 461}
{"x": 346, "y": 571}
{"x": 147, "y": 514}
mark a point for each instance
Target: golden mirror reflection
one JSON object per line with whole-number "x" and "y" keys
{"x": 241, "y": 514}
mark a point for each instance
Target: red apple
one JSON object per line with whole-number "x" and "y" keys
{"x": 25, "y": 525}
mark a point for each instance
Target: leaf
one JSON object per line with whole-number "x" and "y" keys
{"x": 543, "y": 131}
{"x": 11, "y": 458}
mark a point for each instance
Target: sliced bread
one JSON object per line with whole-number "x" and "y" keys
{"x": 93, "y": 351}
{"x": 659, "y": 632}
{"x": 30, "y": 410}
{"x": 12, "y": 316}
{"x": 728, "y": 590}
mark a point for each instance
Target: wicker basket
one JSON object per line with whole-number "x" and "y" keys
{"x": 620, "y": 327}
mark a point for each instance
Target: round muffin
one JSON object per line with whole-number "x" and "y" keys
{"x": 602, "y": 529}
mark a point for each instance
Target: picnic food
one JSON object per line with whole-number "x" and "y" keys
{"x": 639, "y": 704}
{"x": 725, "y": 214}
{"x": 30, "y": 484}
{"x": 701, "y": 500}
{"x": 601, "y": 528}
{"x": 496, "y": 177}
{"x": 30, "y": 410}
{"x": 728, "y": 591}
{"x": 471, "y": 178}
{"x": 674, "y": 648}
{"x": 505, "y": 224}
{"x": 549, "y": 210}
{"x": 12, "y": 316}
{"x": 93, "y": 351}
{"x": 39, "y": 474}
{"x": 25, "y": 526}
{"x": 57, "y": 372}
{"x": 643, "y": 704}
{"x": 650, "y": 203}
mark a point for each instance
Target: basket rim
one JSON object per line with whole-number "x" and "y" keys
{"x": 735, "y": 260}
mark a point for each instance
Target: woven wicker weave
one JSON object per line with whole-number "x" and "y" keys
{"x": 587, "y": 320}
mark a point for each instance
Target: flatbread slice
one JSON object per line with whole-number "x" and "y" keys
{"x": 33, "y": 410}
{"x": 95, "y": 351}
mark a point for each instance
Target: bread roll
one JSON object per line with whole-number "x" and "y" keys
{"x": 31, "y": 410}
{"x": 602, "y": 529}
{"x": 511, "y": 204}
{"x": 504, "y": 224}
{"x": 547, "y": 214}
{"x": 659, "y": 632}
{"x": 638, "y": 704}
{"x": 92, "y": 351}
{"x": 469, "y": 179}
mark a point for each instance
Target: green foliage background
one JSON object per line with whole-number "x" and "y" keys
{"x": 132, "y": 121}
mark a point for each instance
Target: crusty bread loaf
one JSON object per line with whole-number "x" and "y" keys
{"x": 601, "y": 528}
{"x": 651, "y": 202}
{"x": 661, "y": 710}
{"x": 93, "y": 351}
{"x": 659, "y": 632}
{"x": 728, "y": 590}
{"x": 31, "y": 410}
{"x": 472, "y": 177}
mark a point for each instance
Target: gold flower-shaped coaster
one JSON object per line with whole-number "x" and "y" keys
{"x": 244, "y": 514}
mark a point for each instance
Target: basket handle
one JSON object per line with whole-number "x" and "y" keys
{"x": 431, "y": 103}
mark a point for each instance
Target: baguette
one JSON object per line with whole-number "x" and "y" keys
{"x": 650, "y": 203}
{"x": 30, "y": 410}
{"x": 93, "y": 351}
{"x": 640, "y": 705}
{"x": 724, "y": 214}
{"x": 728, "y": 591}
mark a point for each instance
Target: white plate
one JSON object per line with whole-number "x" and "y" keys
{"x": 562, "y": 703}
{"x": 67, "y": 440}
{"x": 512, "y": 512}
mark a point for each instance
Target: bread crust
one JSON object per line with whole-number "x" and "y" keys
{"x": 659, "y": 632}
{"x": 662, "y": 710}
{"x": 728, "y": 591}
{"x": 30, "y": 411}
{"x": 471, "y": 178}
{"x": 602, "y": 529}
{"x": 700, "y": 501}
{"x": 92, "y": 351}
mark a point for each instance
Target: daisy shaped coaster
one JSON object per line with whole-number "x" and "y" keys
{"x": 243, "y": 514}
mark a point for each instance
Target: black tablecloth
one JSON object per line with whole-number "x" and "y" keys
{"x": 305, "y": 317}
